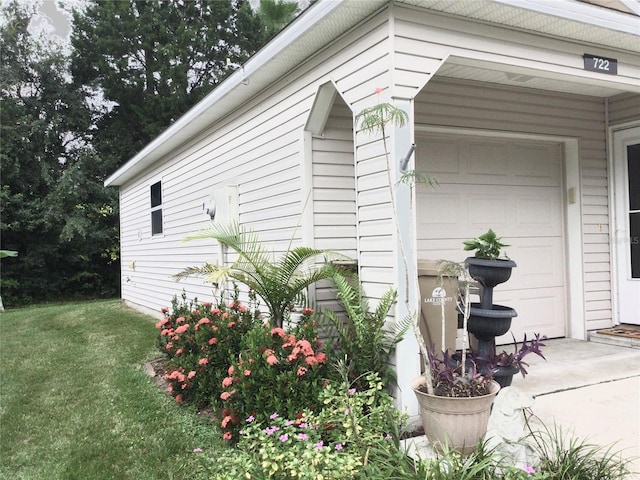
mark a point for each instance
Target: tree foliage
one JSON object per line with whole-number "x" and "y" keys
{"x": 55, "y": 212}
{"x": 149, "y": 62}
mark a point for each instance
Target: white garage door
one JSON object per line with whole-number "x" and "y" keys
{"x": 515, "y": 188}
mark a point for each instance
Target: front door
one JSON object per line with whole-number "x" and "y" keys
{"x": 626, "y": 191}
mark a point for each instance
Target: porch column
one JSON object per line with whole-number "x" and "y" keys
{"x": 407, "y": 352}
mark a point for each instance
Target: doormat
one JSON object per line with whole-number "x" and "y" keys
{"x": 627, "y": 331}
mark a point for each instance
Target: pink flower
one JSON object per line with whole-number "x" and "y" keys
{"x": 191, "y": 374}
{"x": 180, "y": 320}
{"x": 232, "y": 304}
{"x": 231, "y": 324}
{"x": 206, "y": 304}
{"x": 247, "y": 373}
{"x": 227, "y": 381}
{"x": 203, "y": 361}
{"x": 278, "y": 331}
{"x": 225, "y": 395}
{"x": 227, "y": 436}
{"x": 301, "y": 371}
{"x": 216, "y": 311}
{"x": 162, "y": 323}
{"x": 225, "y": 421}
{"x": 203, "y": 320}
{"x": 213, "y": 341}
{"x": 528, "y": 469}
{"x": 182, "y": 328}
{"x": 169, "y": 346}
{"x": 179, "y": 398}
{"x": 164, "y": 310}
{"x": 379, "y": 90}
{"x": 272, "y": 360}
{"x": 242, "y": 309}
{"x": 179, "y": 351}
{"x": 231, "y": 370}
{"x": 307, "y": 311}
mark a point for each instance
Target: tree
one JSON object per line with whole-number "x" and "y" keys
{"x": 152, "y": 61}
{"x": 276, "y": 14}
{"x": 54, "y": 211}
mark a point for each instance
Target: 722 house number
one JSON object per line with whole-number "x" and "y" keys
{"x": 595, "y": 63}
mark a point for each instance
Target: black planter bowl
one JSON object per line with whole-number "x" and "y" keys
{"x": 489, "y": 273}
{"x": 486, "y": 324}
{"x": 504, "y": 375}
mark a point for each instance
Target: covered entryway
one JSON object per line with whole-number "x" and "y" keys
{"x": 515, "y": 187}
{"x": 626, "y": 190}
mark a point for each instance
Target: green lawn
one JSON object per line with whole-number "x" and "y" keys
{"x": 75, "y": 402}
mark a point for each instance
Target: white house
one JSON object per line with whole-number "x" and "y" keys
{"x": 526, "y": 111}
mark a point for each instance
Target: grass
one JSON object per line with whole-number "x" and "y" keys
{"x": 75, "y": 402}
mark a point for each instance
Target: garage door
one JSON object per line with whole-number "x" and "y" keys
{"x": 513, "y": 187}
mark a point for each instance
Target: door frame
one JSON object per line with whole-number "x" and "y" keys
{"x": 574, "y": 274}
{"x": 615, "y": 178}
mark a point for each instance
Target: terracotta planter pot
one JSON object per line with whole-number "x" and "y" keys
{"x": 458, "y": 423}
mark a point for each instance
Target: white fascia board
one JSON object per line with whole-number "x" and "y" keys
{"x": 581, "y": 12}
{"x": 188, "y": 125}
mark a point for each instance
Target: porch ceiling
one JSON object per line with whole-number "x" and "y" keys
{"x": 504, "y": 75}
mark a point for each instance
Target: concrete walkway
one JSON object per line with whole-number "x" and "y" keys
{"x": 590, "y": 390}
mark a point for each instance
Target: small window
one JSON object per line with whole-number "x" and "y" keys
{"x": 156, "y": 208}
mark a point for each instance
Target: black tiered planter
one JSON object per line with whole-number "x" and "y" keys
{"x": 488, "y": 321}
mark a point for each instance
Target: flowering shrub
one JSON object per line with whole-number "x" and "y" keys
{"x": 284, "y": 449}
{"x": 277, "y": 370}
{"x": 201, "y": 340}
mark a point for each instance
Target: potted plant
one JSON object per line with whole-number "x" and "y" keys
{"x": 486, "y": 266}
{"x": 505, "y": 365}
{"x": 454, "y": 397}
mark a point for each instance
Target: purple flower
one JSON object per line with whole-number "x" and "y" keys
{"x": 319, "y": 445}
{"x": 197, "y": 450}
{"x": 250, "y": 419}
{"x": 338, "y": 446}
{"x": 352, "y": 391}
{"x": 284, "y": 438}
{"x": 528, "y": 469}
{"x": 303, "y": 425}
{"x": 347, "y": 411}
{"x": 274, "y": 416}
{"x": 303, "y": 436}
{"x": 289, "y": 423}
{"x": 270, "y": 430}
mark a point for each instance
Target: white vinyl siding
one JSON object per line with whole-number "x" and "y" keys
{"x": 259, "y": 148}
{"x": 623, "y": 109}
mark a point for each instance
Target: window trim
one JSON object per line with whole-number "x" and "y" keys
{"x": 156, "y": 208}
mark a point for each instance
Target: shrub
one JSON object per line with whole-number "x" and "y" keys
{"x": 201, "y": 340}
{"x": 361, "y": 335}
{"x": 276, "y": 371}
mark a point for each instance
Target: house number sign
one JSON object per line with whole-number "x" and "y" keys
{"x": 595, "y": 63}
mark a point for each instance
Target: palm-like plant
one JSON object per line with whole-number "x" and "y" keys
{"x": 280, "y": 283}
